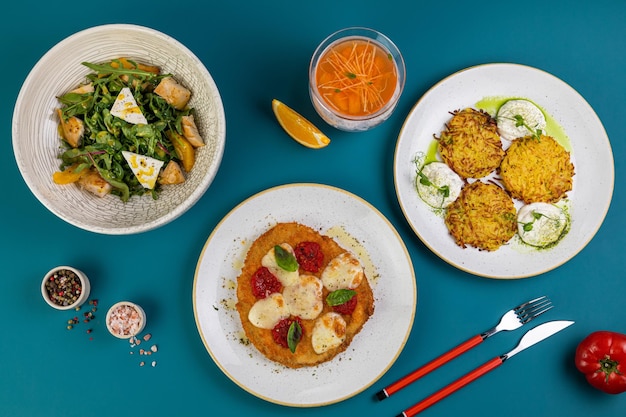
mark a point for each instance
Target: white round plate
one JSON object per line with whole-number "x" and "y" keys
{"x": 591, "y": 154}
{"x": 355, "y": 225}
{"x": 36, "y": 141}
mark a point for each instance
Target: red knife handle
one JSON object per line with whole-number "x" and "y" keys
{"x": 430, "y": 366}
{"x": 456, "y": 385}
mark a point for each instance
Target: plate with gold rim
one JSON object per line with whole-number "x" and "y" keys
{"x": 354, "y": 224}
{"x": 572, "y": 116}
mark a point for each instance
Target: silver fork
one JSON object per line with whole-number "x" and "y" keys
{"x": 511, "y": 320}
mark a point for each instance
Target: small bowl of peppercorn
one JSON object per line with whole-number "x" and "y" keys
{"x": 65, "y": 287}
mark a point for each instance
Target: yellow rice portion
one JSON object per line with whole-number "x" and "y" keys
{"x": 537, "y": 170}
{"x": 483, "y": 216}
{"x": 470, "y": 143}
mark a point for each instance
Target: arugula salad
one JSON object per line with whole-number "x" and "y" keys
{"x": 127, "y": 131}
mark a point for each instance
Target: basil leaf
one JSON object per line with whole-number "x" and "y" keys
{"x": 285, "y": 259}
{"x": 339, "y": 297}
{"x": 294, "y": 335}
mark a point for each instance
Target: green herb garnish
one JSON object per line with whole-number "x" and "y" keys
{"x": 339, "y": 297}
{"x": 294, "y": 335}
{"x": 519, "y": 122}
{"x": 444, "y": 190}
{"x": 528, "y": 226}
{"x": 285, "y": 259}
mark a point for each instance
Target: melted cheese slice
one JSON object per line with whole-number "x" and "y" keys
{"x": 126, "y": 108}
{"x": 305, "y": 298}
{"x": 344, "y": 271}
{"x": 267, "y": 312}
{"x": 286, "y": 278}
{"x": 146, "y": 169}
{"x": 329, "y": 331}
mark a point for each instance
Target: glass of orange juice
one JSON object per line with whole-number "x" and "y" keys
{"x": 356, "y": 77}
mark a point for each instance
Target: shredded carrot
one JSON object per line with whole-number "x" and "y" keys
{"x": 356, "y": 77}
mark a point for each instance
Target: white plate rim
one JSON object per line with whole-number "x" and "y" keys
{"x": 254, "y": 361}
{"x": 466, "y": 82}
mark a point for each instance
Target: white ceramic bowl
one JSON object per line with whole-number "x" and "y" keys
{"x": 55, "y": 274}
{"x": 36, "y": 141}
{"x": 132, "y": 324}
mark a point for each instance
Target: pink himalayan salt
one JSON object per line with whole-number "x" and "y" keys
{"x": 125, "y": 320}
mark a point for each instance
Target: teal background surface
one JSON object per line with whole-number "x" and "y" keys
{"x": 257, "y": 51}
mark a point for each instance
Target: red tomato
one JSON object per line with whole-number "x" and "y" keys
{"x": 601, "y": 356}
{"x": 264, "y": 283}
{"x": 309, "y": 256}
{"x": 347, "y": 307}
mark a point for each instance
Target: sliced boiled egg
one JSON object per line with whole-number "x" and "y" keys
{"x": 146, "y": 169}
{"x": 126, "y": 108}
{"x": 541, "y": 224}
{"x": 513, "y": 112}
{"x": 438, "y": 185}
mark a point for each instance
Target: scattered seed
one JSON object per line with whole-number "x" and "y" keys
{"x": 153, "y": 364}
{"x": 147, "y": 337}
{"x": 154, "y": 348}
{"x": 141, "y": 351}
{"x": 142, "y": 363}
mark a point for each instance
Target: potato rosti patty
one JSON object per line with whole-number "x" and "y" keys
{"x": 537, "y": 170}
{"x": 470, "y": 144}
{"x": 261, "y": 338}
{"x": 483, "y": 216}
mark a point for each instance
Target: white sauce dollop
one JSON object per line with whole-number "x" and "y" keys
{"x": 541, "y": 224}
{"x": 532, "y": 115}
{"x": 440, "y": 175}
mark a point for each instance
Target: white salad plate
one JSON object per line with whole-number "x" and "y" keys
{"x": 591, "y": 155}
{"x": 37, "y": 143}
{"x": 354, "y": 224}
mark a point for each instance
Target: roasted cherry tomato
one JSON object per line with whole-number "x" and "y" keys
{"x": 347, "y": 307}
{"x": 280, "y": 333}
{"x": 264, "y": 283}
{"x": 309, "y": 256}
{"x": 601, "y": 356}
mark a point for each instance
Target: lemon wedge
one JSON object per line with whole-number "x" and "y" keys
{"x": 300, "y": 129}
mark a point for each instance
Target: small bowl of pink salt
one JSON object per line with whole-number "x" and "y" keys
{"x": 125, "y": 319}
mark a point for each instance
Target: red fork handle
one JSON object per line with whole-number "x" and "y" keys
{"x": 430, "y": 366}
{"x": 456, "y": 385}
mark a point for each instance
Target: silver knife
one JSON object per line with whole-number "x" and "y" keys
{"x": 532, "y": 337}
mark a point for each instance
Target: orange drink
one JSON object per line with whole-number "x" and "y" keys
{"x": 356, "y": 78}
